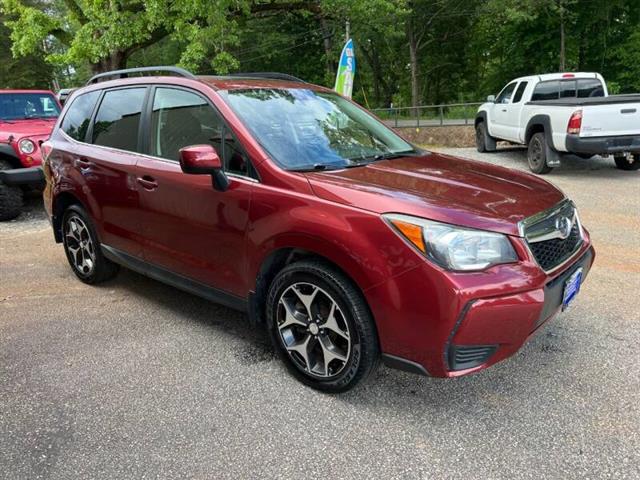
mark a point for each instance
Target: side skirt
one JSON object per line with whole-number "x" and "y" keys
{"x": 174, "y": 279}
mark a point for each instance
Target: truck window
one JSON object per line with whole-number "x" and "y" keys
{"x": 568, "y": 89}
{"x": 546, "y": 91}
{"x": 519, "y": 92}
{"x": 505, "y": 94}
{"x": 590, "y": 87}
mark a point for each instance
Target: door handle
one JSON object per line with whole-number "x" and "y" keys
{"x": 504, "y": 109}
{"x": 147, "y": 182}
{"x": 81, "y": 162}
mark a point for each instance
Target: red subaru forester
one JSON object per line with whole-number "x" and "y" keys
{"x": 292, "y": 203}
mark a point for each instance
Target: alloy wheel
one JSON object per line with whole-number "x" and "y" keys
{"x": 79, "y": 245}
{"x": 313, "y": 330}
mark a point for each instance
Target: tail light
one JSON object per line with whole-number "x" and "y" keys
{"x": 575, "y": 122}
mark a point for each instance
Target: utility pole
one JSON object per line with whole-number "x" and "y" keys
{"x": 347, "y": 32}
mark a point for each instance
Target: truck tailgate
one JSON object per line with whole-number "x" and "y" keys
{"x": 611, "y": 119}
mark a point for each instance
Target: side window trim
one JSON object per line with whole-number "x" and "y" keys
{"x": 147, "y": 109}
{"x": 89, "y": 135}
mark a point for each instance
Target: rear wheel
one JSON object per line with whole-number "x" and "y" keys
{"x": 623, "y": 163}
{"x": 321, "y": 326}
{"x": 83, "y": 249}
{"x": 10, "y": 197}
{"x": 537, "y": 154}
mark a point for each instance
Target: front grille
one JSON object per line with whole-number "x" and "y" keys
{"x": 553, "y": 235}
{"x": 463, "y": 357}
{"x": 551, "y": 253}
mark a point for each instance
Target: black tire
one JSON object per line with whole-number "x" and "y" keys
{"x": 99, "y": 269}
{"x": 484, "y": 141}
{"x": 353, "y": 314}
{"x": 10, "y": 197}
{"x": 537, "y": 154}
{"x": 623, "y": 164}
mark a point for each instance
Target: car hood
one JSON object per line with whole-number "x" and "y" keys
{"x": 442, "y": 188}
{"x": 35, "y": 127}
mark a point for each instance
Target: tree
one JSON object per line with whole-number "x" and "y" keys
{"x": 106, "y": 33}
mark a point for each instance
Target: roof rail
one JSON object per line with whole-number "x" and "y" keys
{"x": 268, "y": 75}
{"x": 181, "y": 72}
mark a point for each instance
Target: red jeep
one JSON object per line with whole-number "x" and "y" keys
{"x": 26, "y": 119}
{"x": 292, "y": 203}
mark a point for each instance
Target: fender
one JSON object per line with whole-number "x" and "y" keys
{"x": 481, "y": 116}
{"x": 7, "y": 150}
{"x": 545, "y": 122}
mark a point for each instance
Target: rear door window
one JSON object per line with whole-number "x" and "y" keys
{"x": 546, "y": 91}
{"x": 590, "y": 87}
{"x": 76, "y": 120}
{"x": 118, "y": 119}
{"x": 519, "y": 92}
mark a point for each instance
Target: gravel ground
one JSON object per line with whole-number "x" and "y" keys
{"x": 134, "y": 379}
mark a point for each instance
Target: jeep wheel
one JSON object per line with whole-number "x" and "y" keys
{"x": 484, "y": 142}
{"x": 10, "y": 197}
{"x": 321, "y": 327}
{"x": 537, "y": 154}
{"x": 624, "y": 164}
{"x": 83, "y": 249}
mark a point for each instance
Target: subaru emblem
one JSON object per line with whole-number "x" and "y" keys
{"x": 563, "y": 225}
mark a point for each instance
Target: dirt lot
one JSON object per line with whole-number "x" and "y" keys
{"x": 134, "y": 379}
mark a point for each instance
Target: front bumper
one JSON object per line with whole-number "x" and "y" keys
{"x": 448, "y": 325}
{"x": 33, "y": 176}
{"x": 603, "y": 145}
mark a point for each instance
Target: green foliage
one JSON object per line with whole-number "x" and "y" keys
{"x": 425, "y": 51}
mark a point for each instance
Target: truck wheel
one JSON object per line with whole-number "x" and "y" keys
{"x": 10, "y": 197}
{"x": 624, "y": 164}
{"x": 537, "y": 154}
{"x": 484, "y": 141}
{"x": 321, "y": 326}
{"x": 82, "y": 248}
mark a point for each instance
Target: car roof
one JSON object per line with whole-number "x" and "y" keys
{"x": 240, "y": 82}
{"x": 557, "y": 76}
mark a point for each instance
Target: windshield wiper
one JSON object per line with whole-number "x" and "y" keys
{"x": 384, "y": 156}
{"x": 317, "y": 167}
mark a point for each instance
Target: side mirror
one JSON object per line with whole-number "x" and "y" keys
{"x": 204, "y": 160}
{"x": 491, "y": 98}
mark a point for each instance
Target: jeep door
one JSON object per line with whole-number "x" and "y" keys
{"x": 189, "y": 227}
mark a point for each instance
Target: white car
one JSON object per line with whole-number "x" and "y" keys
{"x": 562, "y": 113}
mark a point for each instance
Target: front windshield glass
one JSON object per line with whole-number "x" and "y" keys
{"x": 304, "y": 129}
{"x": 18, "y": 106}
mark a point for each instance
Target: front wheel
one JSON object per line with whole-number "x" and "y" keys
{"x": 537, "y": 154}
{"x": 623, "y": 163}
{"x": 321, "y": 327}
{"x": 484, "y": 141}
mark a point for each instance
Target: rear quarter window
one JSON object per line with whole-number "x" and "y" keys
{"x": 546, "y": 91}
{"x": 76, "y": 120}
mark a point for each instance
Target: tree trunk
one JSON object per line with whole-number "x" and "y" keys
{"x": 326, "y": 42}
{"x": 413, "y": 61}
{"x": 563, "y": 65}
{"x": 115, "y": 61}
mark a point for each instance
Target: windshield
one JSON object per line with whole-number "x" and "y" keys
{"x": 303, "y": 129}
{"x": 18, "y": 106}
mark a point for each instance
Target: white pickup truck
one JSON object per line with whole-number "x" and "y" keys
{"x": 562, "y": 113}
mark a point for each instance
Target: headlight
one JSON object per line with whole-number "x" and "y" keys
{"x": 451, "y": 247}
{"x": 26, "y": 146}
